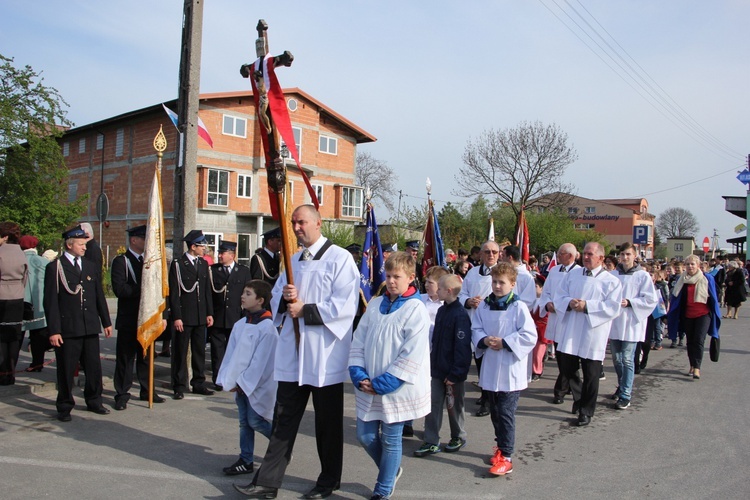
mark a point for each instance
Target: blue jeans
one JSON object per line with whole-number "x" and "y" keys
{"x": 383, "y": 443}
{"x": 623, "y": 353}
{"x": 250, "y": 422}
{"x": 503, "y": 407}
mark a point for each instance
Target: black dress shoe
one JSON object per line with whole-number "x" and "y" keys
{"x": 100, "y": 410}
{"x": 583, "y": 420}
{"x": 155, "y": 399}
{"x": 253, "y": 491}
{"x": 557, "y": 400}
{"x": 64, "y": 417}
{"x": 202, "y": 390}
{"x": 321, "y": 491}
{"x": 178, "y": 395}
{"x": 121, "y": 405}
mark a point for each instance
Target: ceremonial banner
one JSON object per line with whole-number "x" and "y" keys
{"x": 491, "y": 235}
{"x": 372, "y": 268}
{"x": 154, "y": 284}
{"x": 433, "y": 255}
{"x": 522, "y": 237}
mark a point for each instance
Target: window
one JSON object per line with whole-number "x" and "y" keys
{"x": 572, "y": 210}
{"x": 244, "y": 186}
{"x": 318, "y": 188}
{"x": 678, "y": 247}
{"x": 351, "y": 205}
{"x": 292, "y": 104}
{"x": 72, "y": 192}
{"x": 234, "y": 126}
{"x": 584, "y": 226}
{"x": 66, "y": 148}
{"x": 590, "y": 210}
{"x": 212, "y": 243}
{"x": 119, "y": 141}
{"x": 99, "y": 142}
{"x": 81, "y": 146}
{"x": 297, "y": 141}
{"x": 218, "y": 188}
{"x": 243, "y": 249}
{"x": 328, "y": 145}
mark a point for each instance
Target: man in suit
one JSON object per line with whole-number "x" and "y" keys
{"x": 76, "y": 311}
{"x": 264, "y": 265}
{"x": 229, "y": 278}
{"x": 191, "y": 311}
{"x": 126, "y": 283}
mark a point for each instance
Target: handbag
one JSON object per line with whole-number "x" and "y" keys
{"x": 714, "y": 349}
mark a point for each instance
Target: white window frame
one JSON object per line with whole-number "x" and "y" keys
{"x": 81, "y": 145}
{"x": 297, "y": 142}
{"x": 678, "y": 247}
{"x": 319, "y": 192}
{"x": 328, "y": 141}
{"x": 216, "y": 237}
{"x": 352, "y": 208}
{"x": 218, "y": 193}
{"x": 99, "y": 142}
{"x": 247, "y": 182}
{"x": 119, "y": 141}
{"x": 66, "y": 149}
{"x": 590, "y": 210}
{"x": 233, "y": 131}
{"x": 572, "y": 210}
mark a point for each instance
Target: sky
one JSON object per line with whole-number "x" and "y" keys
{"x": 427, "y": 77}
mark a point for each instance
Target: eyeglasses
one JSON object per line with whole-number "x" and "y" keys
{"x": 493, "y": 252}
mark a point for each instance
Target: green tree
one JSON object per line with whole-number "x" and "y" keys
{"x": 33, "y": 176}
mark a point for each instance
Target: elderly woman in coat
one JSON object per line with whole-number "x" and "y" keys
{"x": 694, "y": 309}
{"x": 735, "y": 294}
{"x": 13, "y": 274}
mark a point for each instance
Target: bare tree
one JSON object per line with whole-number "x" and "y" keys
{"x": 378, "y": 176}
{"x": 522, "y": 166}
{"x": 676, "y": 222}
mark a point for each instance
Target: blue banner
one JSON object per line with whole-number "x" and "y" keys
{"x": 372, "y": 268}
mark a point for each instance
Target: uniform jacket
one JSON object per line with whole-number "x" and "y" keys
{"x": 271, "y": 265}
{"x": 192, "y": 308}
{"x": 127, "y": 287}
{"x": 72, "y": 315}
{"x": 226, "y": 304}
{"x": 451, "y": 343}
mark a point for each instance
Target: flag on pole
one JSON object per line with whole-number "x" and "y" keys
{"x": 372, "y": 268}
{"x": 154, "y": 284}
{"x": 522, "y": 236}
{"x": 552, "y": 261}
{"x": 202, "y": 130}
{"x": 491, "y": 235}
{"x": 434, "y": 254}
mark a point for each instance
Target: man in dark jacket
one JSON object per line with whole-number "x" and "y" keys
{"x": 229, "y": 278}
{"x": 126, "y": 283}
{"x": 450, "y": 359}
{"x": 191, "y": 311}
{"x": 76, "y": 310}
{"x": 264, "y": 265}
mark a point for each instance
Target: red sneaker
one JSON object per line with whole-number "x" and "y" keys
{"x": 497, "y": 457}
{"x": 503, "y": 467}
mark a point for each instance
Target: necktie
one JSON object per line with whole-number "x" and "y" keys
{"x": 226, "y": 269}
{"x": 140, "y": 259}
{"x": 588, "y": 272}
{"x": 563, "y": 269}
{"x": 76, "y": 264}
{"x": 306, "y": 255}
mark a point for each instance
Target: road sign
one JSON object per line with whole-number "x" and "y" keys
{"x": 640, "y": 235}
{"x": 102, "y": 207}
{"x": 706, "y": 244}
{"x": 744, "y": 177}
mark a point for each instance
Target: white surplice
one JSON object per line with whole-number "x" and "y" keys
{"x": 525, "y": 286}
{"x": 248, "y": 362}
{"x": 332, "y": 284}
{"x": 639, "y": 290}
{"x": 585, "y": 334}
{"x": 475, "y": 284}
{"x": 554, "y": 278}
{"x": 504, "y": 370}
{"x": 396, "y": 343}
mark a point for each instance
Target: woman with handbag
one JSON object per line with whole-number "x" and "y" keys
{"x": 694, "y": 309}
{"x": 735, "y": 294}
{"x": 13, "y": 274}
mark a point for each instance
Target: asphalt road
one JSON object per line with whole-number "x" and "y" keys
{"x": 680, "y": 439}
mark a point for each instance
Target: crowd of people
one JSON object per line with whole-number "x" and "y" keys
{"x": 276, "y": 342}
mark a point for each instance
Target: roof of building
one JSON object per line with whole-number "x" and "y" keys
{"x": 360, "y": 135}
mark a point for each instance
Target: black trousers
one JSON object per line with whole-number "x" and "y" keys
{"x": 219, "y": 338}
{"x": 127, "y": 350}
{"x": 588, "y": 389}
{"x": 696, "y": 330}
{"x": 67, "y": 355}
{"x": 291, "y": 400}
{"x": 196, "y": 336}
{"x": 485, "y": 394}
{"x": 562, "y": 384}
{"x": 38, "y": 343}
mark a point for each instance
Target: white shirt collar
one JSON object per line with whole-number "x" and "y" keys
{"x": 137, "y": 255}
{"x": 315, "y": 247}
{"x": 71, "y": 257}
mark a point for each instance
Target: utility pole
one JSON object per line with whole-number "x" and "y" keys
{"x": 186, "y": 170}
